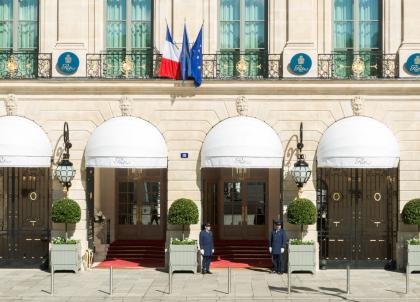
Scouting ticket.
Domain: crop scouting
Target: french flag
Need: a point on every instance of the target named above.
(170, 64)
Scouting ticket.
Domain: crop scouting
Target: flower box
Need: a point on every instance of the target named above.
(302, 257)
(66, 257)
(183, 257)
(413, 258)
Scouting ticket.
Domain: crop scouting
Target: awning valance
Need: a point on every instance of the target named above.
(242, 142)
(23, 143)
(358, 142)
(126, 142)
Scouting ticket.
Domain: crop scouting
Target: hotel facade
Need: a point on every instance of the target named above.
(348, 70)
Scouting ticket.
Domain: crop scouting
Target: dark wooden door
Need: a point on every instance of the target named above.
(355, 222)
(25, 206)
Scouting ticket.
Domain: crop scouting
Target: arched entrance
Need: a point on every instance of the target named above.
(357, 193)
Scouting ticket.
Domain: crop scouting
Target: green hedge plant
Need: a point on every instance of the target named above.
(65, 210)
(411, 213)
(301, 211)
(183, 212)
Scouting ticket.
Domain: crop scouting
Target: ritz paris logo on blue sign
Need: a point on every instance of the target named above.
(68, 63)
(413, 64)
(300, 64)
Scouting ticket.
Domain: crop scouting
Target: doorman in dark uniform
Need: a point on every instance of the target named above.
(277, 246)
(206, 248)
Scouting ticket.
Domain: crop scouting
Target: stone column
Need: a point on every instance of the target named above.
(410, 33)
(301, 34)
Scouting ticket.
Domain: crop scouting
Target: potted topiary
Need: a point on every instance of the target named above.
(183, 253)
(65, 253)
(301, 211)
(411, 215)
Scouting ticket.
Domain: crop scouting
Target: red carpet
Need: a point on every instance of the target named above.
(135, 254)
(241, 254)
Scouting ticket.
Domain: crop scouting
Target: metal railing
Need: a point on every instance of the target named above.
(25, 65)
(357, 65)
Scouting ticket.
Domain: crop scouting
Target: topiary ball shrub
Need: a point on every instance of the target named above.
(65, 211)
(411, 213)
(301, 211)
(183, 212)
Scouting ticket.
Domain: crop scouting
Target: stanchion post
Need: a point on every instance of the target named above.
(170, 279)
(407, 280)
(229, 280)
(348, 279)
(52, 280)
(111, 280)
(289, 279)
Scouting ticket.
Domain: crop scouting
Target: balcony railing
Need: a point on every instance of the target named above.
(25, 65)
(357, 65)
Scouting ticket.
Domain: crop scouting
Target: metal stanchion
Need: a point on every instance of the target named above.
(348, 279)
(52, 280)
(289, 280)
(170, 279)
(111, 280)
(407, 280)
(229, 280)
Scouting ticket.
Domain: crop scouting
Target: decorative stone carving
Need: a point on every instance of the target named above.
(125, 106)
(357, 105)
(10, 103)
(242, 105)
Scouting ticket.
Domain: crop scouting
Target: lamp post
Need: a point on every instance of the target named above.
(65, 171)
(300, 171)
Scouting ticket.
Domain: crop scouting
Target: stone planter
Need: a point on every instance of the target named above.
(65, 257)
(183, 257)
(413, 258)
(302, 258)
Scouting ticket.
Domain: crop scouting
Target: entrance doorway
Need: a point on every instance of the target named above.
(236, 202)
(357, 216)
(141, 204)
(24, 215)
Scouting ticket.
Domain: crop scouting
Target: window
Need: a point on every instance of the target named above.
(129, 42)
(357, 32)
(242, 32)
(18, 37)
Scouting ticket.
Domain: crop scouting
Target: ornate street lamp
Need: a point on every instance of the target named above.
(300, 171)
(65, 171)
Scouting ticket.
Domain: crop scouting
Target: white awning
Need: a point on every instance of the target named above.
(358, 142)
(242, 142)
(126, 142)
(23, 143)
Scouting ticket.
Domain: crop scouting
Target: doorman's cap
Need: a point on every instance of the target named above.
(278, 222)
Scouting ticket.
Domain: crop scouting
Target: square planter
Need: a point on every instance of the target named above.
(413, 258)
(302, 258)
(183, 257)
(65, 257)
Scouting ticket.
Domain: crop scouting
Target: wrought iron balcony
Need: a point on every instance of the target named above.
(25, 65)
(357, 65)
(146, 65)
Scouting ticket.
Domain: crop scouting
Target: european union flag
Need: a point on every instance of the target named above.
(185, 56)
(197, 59)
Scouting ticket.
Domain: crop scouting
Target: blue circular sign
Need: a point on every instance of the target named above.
(68, 63)
(413, 64)
(300, 64)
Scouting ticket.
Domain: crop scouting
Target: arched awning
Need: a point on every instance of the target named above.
(242, 142)
(126, 142)
(358, 142)
(23, 143)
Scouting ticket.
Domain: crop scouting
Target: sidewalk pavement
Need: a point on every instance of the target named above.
(247, 285)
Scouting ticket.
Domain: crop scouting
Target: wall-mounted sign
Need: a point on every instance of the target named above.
(413, 64)
(67, 63)
(300, 64)
(184, 155)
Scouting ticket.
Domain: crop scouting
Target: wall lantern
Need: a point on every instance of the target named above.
(65, 171)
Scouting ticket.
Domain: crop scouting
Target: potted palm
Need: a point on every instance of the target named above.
(65, 252)
(183, 253)
(302, 212)
(411, 215)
